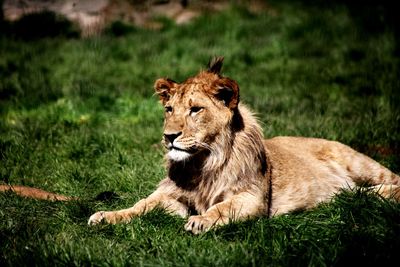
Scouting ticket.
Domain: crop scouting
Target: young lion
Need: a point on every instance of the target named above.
(220, 166)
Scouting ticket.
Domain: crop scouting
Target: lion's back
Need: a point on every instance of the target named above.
(304, 149)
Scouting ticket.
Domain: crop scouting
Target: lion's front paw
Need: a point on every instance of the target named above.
(96, 218)
(110, 217)
(199, 224)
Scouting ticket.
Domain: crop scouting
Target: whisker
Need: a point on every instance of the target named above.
(203, 145)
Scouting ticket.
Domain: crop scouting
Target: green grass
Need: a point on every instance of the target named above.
(78, 117)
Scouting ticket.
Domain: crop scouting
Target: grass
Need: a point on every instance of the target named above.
(78, 117)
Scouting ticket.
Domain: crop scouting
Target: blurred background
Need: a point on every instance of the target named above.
(93, 16)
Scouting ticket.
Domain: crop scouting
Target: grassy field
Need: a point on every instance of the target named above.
(78, 117)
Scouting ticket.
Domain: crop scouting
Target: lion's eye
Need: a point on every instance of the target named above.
(168, 109)
(195, 110)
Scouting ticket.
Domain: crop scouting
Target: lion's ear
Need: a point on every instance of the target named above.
(215, 65)
(164, 88)
(227, 91)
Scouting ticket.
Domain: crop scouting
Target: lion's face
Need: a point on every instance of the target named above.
(196, 112)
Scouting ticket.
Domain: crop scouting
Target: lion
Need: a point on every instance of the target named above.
(220, 166)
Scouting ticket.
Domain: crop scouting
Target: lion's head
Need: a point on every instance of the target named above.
(197, 111)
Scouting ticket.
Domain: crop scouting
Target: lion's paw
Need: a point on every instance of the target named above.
(199, 224)
(96, 218)
(110, 217)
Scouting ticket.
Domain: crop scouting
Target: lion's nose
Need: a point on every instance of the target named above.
(171, 137)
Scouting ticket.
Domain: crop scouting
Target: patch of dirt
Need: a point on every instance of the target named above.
(92, 16)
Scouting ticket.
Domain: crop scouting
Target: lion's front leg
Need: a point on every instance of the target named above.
(124, 215)
(157, 199)
(239, 207)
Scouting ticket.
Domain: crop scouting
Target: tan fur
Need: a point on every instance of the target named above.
(219, 165)
(30, 192)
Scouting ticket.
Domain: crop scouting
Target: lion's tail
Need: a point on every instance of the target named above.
(36, 193)
(31, 192)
